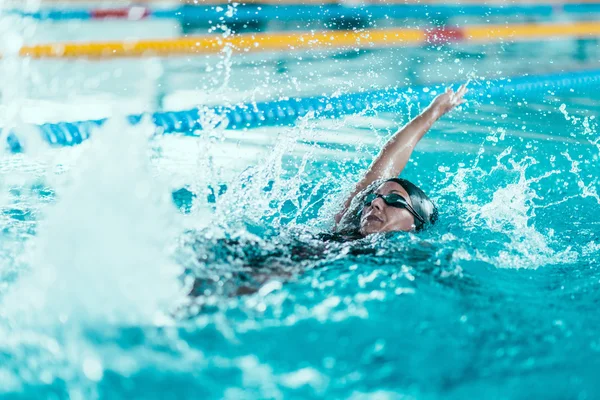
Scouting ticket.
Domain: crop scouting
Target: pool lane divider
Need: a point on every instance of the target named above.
(292, 41)
(287, 111)
(274, 10)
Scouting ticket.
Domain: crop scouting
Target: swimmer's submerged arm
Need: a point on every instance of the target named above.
(396, 152)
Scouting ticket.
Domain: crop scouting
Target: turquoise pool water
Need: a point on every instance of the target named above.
(100, 242)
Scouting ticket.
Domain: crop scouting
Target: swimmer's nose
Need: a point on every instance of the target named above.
(377, 204)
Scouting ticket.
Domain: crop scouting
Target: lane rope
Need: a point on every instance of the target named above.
(292, 41)
(209, 13)
(287, 111)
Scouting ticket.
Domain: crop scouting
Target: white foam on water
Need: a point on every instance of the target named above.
(102, 250)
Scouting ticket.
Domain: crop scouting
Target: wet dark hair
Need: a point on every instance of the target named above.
(422, 204)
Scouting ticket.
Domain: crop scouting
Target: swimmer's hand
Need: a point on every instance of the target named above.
(446, 101)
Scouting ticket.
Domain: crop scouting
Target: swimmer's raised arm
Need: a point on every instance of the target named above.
(395, 154)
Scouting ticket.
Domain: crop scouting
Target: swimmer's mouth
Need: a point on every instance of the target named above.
(372, 217)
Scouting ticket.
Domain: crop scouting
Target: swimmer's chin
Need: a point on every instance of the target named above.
(369, 228)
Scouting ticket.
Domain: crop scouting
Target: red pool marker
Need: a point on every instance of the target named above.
(131, 13)
(445, 35)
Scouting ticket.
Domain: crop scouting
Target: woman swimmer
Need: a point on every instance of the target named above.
(381, 202)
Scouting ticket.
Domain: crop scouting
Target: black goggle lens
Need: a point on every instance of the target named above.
(393, 200)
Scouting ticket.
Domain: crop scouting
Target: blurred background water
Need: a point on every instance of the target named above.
(100, 242)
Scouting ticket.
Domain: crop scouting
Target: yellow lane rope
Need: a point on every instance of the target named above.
(531, 31)
(214, 44)
(290, 41)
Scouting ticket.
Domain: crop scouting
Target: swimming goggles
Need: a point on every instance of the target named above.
(394, 200)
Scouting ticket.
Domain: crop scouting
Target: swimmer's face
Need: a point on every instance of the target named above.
(379, 217)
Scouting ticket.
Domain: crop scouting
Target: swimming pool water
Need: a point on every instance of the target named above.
(498, 300)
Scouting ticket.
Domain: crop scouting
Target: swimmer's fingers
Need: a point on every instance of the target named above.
(449, 99)
(459, 101)
(455, 99)
(460, 93)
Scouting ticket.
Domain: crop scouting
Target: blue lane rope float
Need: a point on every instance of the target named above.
(195, 14)
(265, 12)
(582, 8)
(287, 111)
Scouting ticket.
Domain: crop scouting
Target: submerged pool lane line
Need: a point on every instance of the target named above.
(327, 40)
(287, 111)
(272, 10)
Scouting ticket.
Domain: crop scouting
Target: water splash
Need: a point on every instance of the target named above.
(587, 127)
(102, 250)
(508, 210)
(272, 192)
